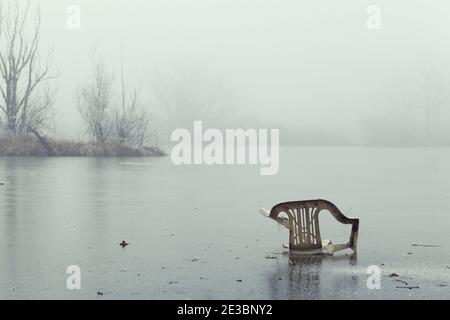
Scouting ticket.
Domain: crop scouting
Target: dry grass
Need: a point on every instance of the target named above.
(29, 146)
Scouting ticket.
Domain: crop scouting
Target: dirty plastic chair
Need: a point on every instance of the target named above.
(301, 218)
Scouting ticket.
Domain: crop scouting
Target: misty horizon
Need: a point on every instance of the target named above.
(314, 71)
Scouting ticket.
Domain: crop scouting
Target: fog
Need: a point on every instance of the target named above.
(312, 69)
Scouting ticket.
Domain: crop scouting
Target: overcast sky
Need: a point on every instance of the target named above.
(311, 67)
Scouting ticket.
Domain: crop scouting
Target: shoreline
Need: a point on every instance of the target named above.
(33, 147)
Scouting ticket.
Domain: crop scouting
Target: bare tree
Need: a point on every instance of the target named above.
(26, 98)
(143, 131)
(129, 123)
(132, 121)
(94, 101)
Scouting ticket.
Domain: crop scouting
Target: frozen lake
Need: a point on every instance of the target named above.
(195, 231)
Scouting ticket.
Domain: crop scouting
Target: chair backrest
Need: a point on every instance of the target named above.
(303, 222)
(304, 231)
